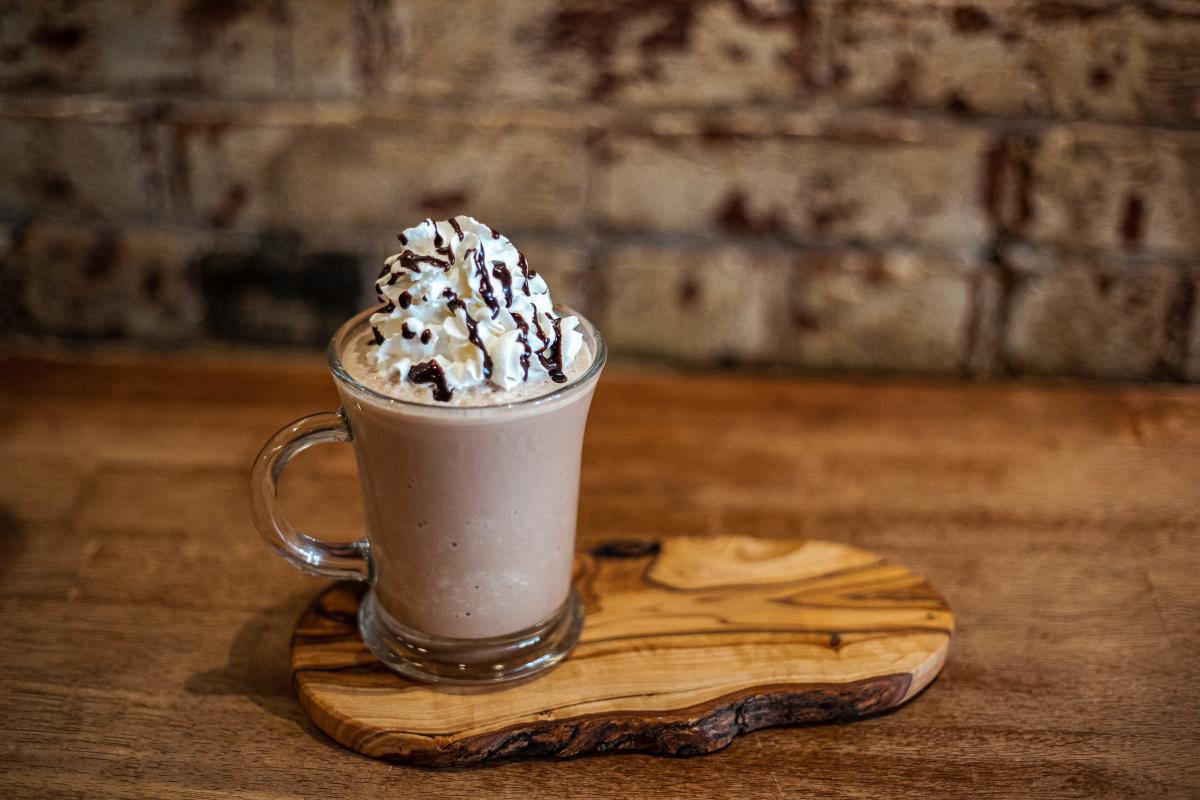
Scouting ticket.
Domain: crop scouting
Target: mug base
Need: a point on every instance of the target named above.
(471, 662)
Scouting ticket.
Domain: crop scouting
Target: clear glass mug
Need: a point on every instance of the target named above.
(470, 517)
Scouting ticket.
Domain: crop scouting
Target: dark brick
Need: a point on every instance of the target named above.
(277, 294)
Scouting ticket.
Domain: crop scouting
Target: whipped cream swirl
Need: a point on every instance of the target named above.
(463, 310)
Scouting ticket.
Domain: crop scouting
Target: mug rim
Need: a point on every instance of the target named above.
(342, 375)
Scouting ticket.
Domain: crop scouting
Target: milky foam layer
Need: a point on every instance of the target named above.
(462, 310)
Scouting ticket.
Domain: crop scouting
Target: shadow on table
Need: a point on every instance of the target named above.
(258, 667)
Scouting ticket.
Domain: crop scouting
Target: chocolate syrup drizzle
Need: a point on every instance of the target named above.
(406, 332)
(457, 229)
(523, 338)
(553, 362)
(500, 271)
(431, 372)
(440, 246)
(403, 239)
(454, 303)
(426, 335)
(524, 265)
(405, 299)
(537, 323)
(485, 284)
(412, 261)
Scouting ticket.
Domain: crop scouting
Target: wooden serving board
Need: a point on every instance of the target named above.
(687, 643)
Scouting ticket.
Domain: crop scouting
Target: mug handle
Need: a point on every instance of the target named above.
(326, 559)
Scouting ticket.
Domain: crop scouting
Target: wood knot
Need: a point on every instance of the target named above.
(626, 548)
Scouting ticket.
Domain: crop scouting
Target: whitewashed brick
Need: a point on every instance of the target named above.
(1075, 315)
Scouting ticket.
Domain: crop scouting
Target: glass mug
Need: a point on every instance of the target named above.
(470, 517)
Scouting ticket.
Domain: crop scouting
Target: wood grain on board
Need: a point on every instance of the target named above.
(687, 643)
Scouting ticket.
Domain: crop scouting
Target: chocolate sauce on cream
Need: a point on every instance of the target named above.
(524, 265)
(431, 372)
(457, 229)
(537, 323)
(485, 284)
(454, 304)
(554, 362)
(523, 338)
(412, 261)
(500, 271)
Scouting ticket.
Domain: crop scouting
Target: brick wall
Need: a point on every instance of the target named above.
(936, 187)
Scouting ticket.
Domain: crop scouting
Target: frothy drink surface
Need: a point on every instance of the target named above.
(468, 437)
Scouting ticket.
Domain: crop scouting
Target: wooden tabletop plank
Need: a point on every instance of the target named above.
(149, 625)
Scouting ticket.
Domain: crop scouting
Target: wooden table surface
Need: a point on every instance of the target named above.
(148, 625)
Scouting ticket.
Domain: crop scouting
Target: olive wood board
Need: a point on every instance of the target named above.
(687, 643)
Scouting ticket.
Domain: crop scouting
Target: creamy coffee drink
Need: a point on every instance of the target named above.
(468, 437)
(464, 394)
